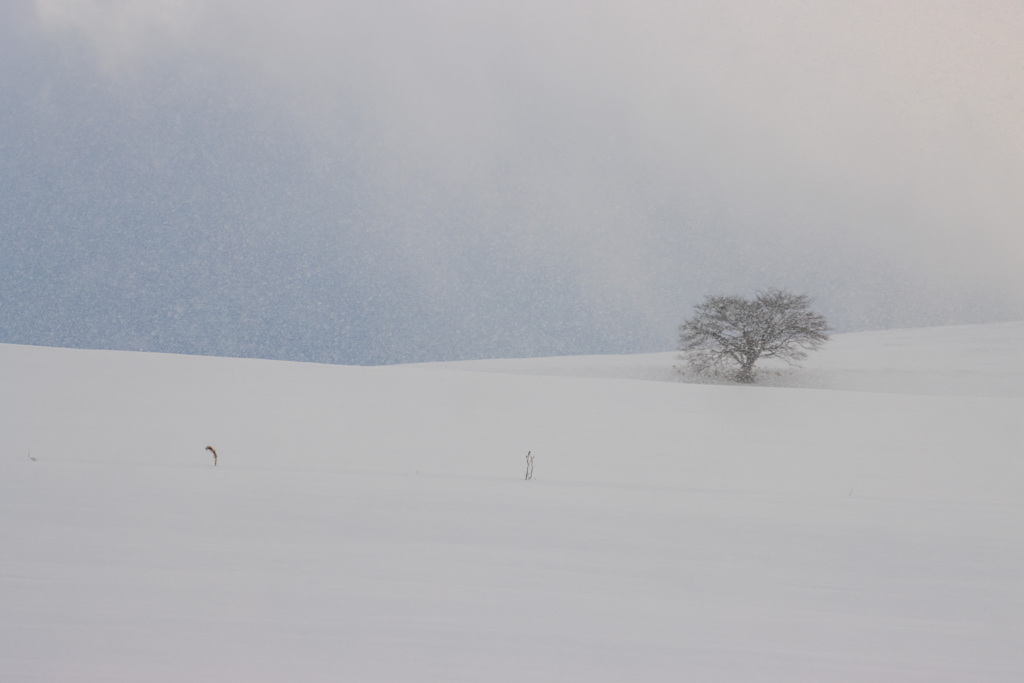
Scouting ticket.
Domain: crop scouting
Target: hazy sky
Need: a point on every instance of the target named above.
(378, 181)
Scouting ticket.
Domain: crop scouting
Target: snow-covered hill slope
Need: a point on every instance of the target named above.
(371, 524)
(966, 360)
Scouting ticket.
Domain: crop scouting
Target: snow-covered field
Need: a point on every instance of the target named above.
(860, 520)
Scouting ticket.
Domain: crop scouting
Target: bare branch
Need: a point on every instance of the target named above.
(728, 334)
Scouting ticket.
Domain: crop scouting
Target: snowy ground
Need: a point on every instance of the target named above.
(861, 520)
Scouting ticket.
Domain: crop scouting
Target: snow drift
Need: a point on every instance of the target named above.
(860, 520)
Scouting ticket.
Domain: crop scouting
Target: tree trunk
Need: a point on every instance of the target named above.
(746, 374)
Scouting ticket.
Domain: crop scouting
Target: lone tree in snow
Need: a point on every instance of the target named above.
(728, 334)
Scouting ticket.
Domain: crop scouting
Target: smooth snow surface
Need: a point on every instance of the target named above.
(863, 523)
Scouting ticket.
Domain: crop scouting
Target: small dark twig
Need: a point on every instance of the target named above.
(210, 448)
(529, 465)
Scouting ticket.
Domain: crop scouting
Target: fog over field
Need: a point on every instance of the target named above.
(377, 253)
(382, 182)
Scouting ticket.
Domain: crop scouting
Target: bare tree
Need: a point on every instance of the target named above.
(728, 334)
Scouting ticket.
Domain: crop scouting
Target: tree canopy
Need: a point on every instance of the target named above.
(727, 335)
